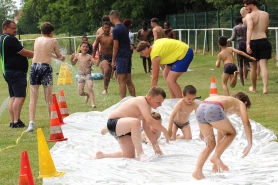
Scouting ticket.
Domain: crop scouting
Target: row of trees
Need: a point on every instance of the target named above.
(79, 16)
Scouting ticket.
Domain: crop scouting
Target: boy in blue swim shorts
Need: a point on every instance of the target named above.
(175, 54)
(210, 114)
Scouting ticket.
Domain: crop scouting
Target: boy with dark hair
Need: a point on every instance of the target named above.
(230, 69)
(210, 114)
(179, 118)
(85, 40)
(124, 124)
(41, 70)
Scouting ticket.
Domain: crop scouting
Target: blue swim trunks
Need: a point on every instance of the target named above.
(41, 74)
(210, 111)
(123, 65)
(182, 65)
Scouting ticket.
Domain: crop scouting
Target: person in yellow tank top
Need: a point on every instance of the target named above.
(175, 54)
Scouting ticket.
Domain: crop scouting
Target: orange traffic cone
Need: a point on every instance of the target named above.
(54, 100)
(213, 88)
(56, 133)
(63, 104)
(23, 180)
(26, 177)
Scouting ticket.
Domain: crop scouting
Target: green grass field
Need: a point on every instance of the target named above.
(263, 109)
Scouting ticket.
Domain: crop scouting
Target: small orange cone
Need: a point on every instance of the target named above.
(56, 133)
(63, 104)
(25, 170)
(54, 100)
(23, 180)
(213, 88)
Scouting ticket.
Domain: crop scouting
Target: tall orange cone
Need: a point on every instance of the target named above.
(54, 100)
(213, 88)
(47, 167)
(25, 170)
(23, 180)
(56, 133)
(63, 104)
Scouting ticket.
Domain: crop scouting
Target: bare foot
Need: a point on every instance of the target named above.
(219, 163)
(215, 168)
(99, 155)
(94, 106)
(258, 78)
(104, 131)
(265, 91)
(198, 175)
(86, 99)
(104, 92)
(180, 136)
(251, 89)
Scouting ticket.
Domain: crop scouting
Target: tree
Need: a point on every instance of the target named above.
(7, 9)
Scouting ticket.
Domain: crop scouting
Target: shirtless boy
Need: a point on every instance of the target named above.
(256, 43)
(41, 70)
(124, 124)
(230, 69)
(105, 41)
(211, 113)
(169, 32)
(155, 132)
(85, 62)
(145, 34)
(179, 118)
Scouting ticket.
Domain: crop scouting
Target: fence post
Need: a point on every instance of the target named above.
(70, 50)
(194, 20)
(206, 24)
(231, 18)
(218, 22)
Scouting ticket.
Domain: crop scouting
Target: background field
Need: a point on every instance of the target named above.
(263, 109)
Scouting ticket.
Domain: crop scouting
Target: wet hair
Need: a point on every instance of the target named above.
(238, 20)
(145, 23)
(243, 97)
(243, 11)
(168, 24)
(7, 23)
(155, 20)
(142, 45)
(156, 91)
(222, 40)
(115, 14)
(189, 89)
(247, 2)
(156, 115)
(105, 18)
(127, 22)
(106, 23)
(47, 28)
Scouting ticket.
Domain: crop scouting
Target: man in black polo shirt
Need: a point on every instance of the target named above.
(14, 66)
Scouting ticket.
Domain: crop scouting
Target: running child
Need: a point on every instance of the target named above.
(210, 114)
(230, 69)
(179, 118)
(41, 70)
(124, 124)
(85, 62)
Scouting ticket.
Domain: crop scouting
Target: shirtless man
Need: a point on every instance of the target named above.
(105, 41)
(41, 70)
(243, 13)
(121, 55)
(257, 44)
(105, 18)
(169, 32)
(124, 124)
(145, 34)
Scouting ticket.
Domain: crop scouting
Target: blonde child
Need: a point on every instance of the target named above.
(179, 118)
(85, 62)
(155, 132)
(230, 69)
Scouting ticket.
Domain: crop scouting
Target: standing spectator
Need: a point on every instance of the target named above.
(256, 43)
(14, 66)
(145, 34)
(169, 32)
(121, 55)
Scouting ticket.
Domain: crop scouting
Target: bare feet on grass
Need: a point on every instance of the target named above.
(265, 91)
(219, 163)
(104, 92)
(198, 175)
(86, 99)
(94, 106)
(251, 89)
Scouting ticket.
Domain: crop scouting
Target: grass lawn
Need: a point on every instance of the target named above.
(263, 109)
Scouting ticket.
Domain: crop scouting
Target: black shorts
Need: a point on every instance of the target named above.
(111, 126)
(241, 45)
(41, 74)
(105, 57)
(230, 68)
(261, 49)
(17, 83)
